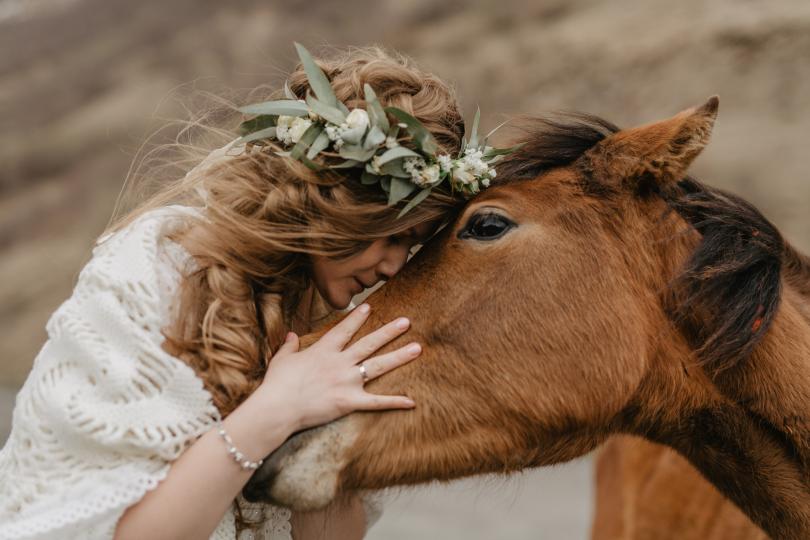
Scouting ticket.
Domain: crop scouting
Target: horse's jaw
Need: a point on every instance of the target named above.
(304, 472)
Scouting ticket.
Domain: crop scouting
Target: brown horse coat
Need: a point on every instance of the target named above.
(594, 291)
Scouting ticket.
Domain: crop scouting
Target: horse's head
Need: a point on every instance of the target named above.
(540, 309)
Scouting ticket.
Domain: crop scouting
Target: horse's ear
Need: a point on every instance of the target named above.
(660, 152)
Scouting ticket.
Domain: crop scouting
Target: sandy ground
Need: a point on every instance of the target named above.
(6, 406)
(551, 503)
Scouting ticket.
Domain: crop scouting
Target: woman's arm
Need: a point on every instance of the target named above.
(300, 390)
(203, 482)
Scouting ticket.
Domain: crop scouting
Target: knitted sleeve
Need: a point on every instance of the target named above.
(105, 409)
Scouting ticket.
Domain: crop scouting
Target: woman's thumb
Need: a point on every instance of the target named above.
(290, 344)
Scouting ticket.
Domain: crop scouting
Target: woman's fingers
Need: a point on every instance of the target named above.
(376, 402)
(368, 345)
(342, 332)
(290, 344)
(384, 363)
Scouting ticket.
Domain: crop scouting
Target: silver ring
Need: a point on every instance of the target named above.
(363, 372)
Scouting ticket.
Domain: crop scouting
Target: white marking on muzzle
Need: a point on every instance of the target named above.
(307, 480)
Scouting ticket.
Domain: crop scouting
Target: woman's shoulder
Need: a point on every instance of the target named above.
(138, 248)
(155, 220)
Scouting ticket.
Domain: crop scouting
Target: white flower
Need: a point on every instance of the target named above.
(357, 118)
(462, 175)
(283, 124)
(428, 176)
(298, 127)
(445, 162)
(332, 132)
(492, 173)
(375, 165)
(485, 182)
(413, 166)
(473, 161)
(391, 142)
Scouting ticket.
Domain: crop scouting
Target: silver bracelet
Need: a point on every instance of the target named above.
(238, 456)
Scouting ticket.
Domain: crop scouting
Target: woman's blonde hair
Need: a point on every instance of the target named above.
(267, 215)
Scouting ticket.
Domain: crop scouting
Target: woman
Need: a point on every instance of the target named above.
(175, 366)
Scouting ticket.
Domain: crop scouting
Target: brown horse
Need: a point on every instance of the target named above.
(645, 491)
(595, 290)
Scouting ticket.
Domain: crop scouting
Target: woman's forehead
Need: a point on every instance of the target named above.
(423, 231)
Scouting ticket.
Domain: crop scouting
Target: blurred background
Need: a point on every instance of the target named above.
(84, 82)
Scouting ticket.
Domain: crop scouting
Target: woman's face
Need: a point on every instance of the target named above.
(339, 280)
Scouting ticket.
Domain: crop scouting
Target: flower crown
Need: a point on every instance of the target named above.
(367, 139)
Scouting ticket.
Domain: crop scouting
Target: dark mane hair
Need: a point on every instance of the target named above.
(726, 296)
(552, 141)
(729, 291)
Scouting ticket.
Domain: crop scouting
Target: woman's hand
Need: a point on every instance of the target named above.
(325, 381)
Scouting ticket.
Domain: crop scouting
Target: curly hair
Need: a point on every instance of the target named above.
(266, 215)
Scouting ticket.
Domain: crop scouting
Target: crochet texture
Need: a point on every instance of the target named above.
(105, 409)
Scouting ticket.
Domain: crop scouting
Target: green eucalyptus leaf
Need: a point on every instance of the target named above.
(343, 108)
(266, 133)
(316, 77)
(287, 107)
(374, 138)
(419, 197)
(368, 178)
(320, 143)
(385, 183)
(305, 141)
(399, 190)
(395, 168)
(421, 136)
(263, 121)
(501, 151)
(355, 152)
(348, 164)
(288, 93)
(496, 128)
(396, 153)
(353, 136)
(311, 164)
(330, 114)
(474, 132)
(375, 111)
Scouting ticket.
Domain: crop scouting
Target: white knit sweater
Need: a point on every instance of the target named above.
(105, 409)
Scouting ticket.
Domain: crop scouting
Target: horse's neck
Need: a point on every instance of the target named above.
(797, 271)
(774, 384)
(748, 429)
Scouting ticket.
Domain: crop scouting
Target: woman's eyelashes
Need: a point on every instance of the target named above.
(397, 241)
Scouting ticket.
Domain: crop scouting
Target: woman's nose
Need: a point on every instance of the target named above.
(393, 263)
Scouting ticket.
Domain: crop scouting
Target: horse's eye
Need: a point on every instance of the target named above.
(486, 227)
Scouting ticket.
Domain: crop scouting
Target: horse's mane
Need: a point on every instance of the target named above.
(729, 291)
(552, 141)
(727, 294)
